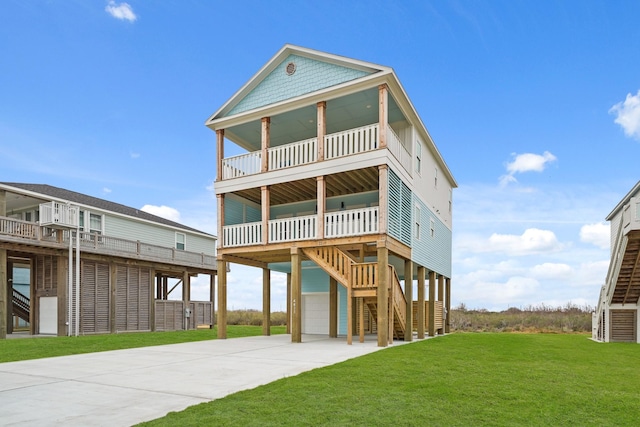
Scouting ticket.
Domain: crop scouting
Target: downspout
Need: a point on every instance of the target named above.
(78, 275)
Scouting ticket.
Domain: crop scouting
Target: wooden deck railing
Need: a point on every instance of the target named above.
(32, 233)
(241, 165)
(352, 222)
(249, 233)
(399, 299)
(352, 141)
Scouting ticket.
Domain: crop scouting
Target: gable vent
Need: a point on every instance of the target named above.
(291, 68)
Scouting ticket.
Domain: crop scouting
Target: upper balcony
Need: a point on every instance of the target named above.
(340, 144)
(31, 233)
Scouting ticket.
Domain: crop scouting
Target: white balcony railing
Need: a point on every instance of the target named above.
(295, 154)
(352, 141)
(352, 222)
(57, 214)
(242, 234)
(292, 229)
(398, 150)
(244, 164)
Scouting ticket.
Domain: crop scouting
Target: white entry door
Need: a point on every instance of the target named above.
(315, 313)
(48, 315)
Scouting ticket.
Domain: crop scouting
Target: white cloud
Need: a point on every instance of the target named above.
(106, 190)
(532, 241)
(526, 162)
(122, 11)
(134, 155)
(549, 270)
(163, 212)
(597, 234)
(628, 115)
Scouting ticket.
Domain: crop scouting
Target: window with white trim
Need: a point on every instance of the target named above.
(181, 241)
(435, 178)
(417, 221)
(94, 224)
(432, 227)
(418, 156)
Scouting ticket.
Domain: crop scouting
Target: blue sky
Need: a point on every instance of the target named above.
(535, 106)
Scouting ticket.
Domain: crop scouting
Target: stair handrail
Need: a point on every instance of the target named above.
(399, 299)
(21, 300)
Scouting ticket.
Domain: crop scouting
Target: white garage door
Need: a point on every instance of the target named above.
(48, 315)
(315, 314)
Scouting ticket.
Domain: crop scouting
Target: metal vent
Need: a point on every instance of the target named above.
(291, 68)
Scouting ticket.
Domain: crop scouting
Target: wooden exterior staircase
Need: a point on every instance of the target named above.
(360, 280)
(21, 305)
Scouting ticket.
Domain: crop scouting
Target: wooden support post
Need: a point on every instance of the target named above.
(383, 296)
(289, 313)
(265, 205)
(158, 277)
(266, 302)
(383, 114)
(361, 318)
(421, 301)
(333, 307)
(165, 287)
(383, 197)
(447, 310)
(186, 284)
(408, 294)
(266, 140)
(322, 128)
(220, 212)
(321, 198)
(219, 153)
(222, 299)
(62, 285)
(440, 331)
(9, 296)
(432, 303)
(4, 290)
(350, 314)
(113, 272)
(296, 295)
(391, 303)
(212, 297)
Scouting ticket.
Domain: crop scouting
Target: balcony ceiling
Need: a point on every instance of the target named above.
(350, 182)
(347, 112)
(19, 202)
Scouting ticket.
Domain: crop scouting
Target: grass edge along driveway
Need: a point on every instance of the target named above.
(457, 380)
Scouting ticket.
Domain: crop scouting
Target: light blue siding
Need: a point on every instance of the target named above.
(310, 76)
(432, 252)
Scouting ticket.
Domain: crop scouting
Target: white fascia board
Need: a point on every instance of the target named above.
(311, 170)
(405, 104)
(624, 201)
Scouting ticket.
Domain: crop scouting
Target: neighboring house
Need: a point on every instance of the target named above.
(128, 259)
(326, 172)
(616, 315)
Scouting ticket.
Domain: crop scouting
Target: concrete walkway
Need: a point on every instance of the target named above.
(124, 387)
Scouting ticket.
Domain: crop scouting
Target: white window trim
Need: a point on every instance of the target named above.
(184, 241)
(419, 157)
(417, 222)
(432, 227)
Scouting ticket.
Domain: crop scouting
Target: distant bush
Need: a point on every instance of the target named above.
(254, 318)
(540, 318)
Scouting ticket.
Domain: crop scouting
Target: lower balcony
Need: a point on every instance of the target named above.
(347, 223)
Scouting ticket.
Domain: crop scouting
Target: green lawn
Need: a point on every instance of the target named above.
(36, 348)
(456, 380)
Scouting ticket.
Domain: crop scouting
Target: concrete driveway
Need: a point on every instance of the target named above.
(125, 387)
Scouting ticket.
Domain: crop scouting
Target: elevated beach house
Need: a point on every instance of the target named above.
(326, 172)
(616, 315)
(72, 264)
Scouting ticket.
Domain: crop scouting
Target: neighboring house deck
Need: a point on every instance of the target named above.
(127, 260)
(334, 180)
(616, 316)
